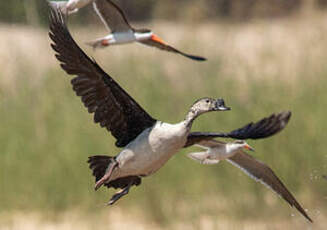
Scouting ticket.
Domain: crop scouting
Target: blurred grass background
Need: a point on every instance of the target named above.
(259, 66)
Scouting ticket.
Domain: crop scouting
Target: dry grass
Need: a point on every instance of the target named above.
(120, 219)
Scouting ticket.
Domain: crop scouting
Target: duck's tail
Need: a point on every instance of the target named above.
(99, 165)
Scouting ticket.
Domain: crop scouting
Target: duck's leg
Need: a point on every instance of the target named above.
(120, 194)
(106, 176)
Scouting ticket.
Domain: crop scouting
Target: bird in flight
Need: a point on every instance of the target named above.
(234, 153)
(121, 32)
(147, 143)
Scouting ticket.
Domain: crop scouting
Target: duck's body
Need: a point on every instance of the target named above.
(151, 150)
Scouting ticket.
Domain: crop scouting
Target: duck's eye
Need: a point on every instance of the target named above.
(207, 101)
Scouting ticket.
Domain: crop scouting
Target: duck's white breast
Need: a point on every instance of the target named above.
(151, 149)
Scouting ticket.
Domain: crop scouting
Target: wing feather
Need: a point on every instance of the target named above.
(266, 127)
(111, 16)
(113, 108)
(262, 173)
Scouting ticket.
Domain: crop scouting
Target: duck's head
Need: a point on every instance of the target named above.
(239, 144)
(206, 104)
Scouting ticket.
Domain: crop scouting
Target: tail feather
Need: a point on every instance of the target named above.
(99, 164)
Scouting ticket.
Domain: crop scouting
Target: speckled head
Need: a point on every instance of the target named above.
(207, 104)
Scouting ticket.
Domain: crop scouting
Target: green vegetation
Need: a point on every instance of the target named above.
(46, 135)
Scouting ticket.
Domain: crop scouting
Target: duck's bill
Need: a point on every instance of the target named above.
(220, 105)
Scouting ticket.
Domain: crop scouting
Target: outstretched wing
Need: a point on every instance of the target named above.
(155, 41)
(113, 108)
(111, 16)
(266, 127)
(262, 173)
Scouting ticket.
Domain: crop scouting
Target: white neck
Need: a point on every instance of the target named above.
(190, 117)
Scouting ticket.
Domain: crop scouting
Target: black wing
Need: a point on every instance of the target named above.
(266, 127)
(111, 16)
(113, 108)
(262, 173)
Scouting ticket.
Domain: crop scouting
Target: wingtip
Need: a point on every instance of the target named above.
(311, 221)
(196, 58)
(201, 59)
(289, 114)
(284, 118)
(306, 216)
